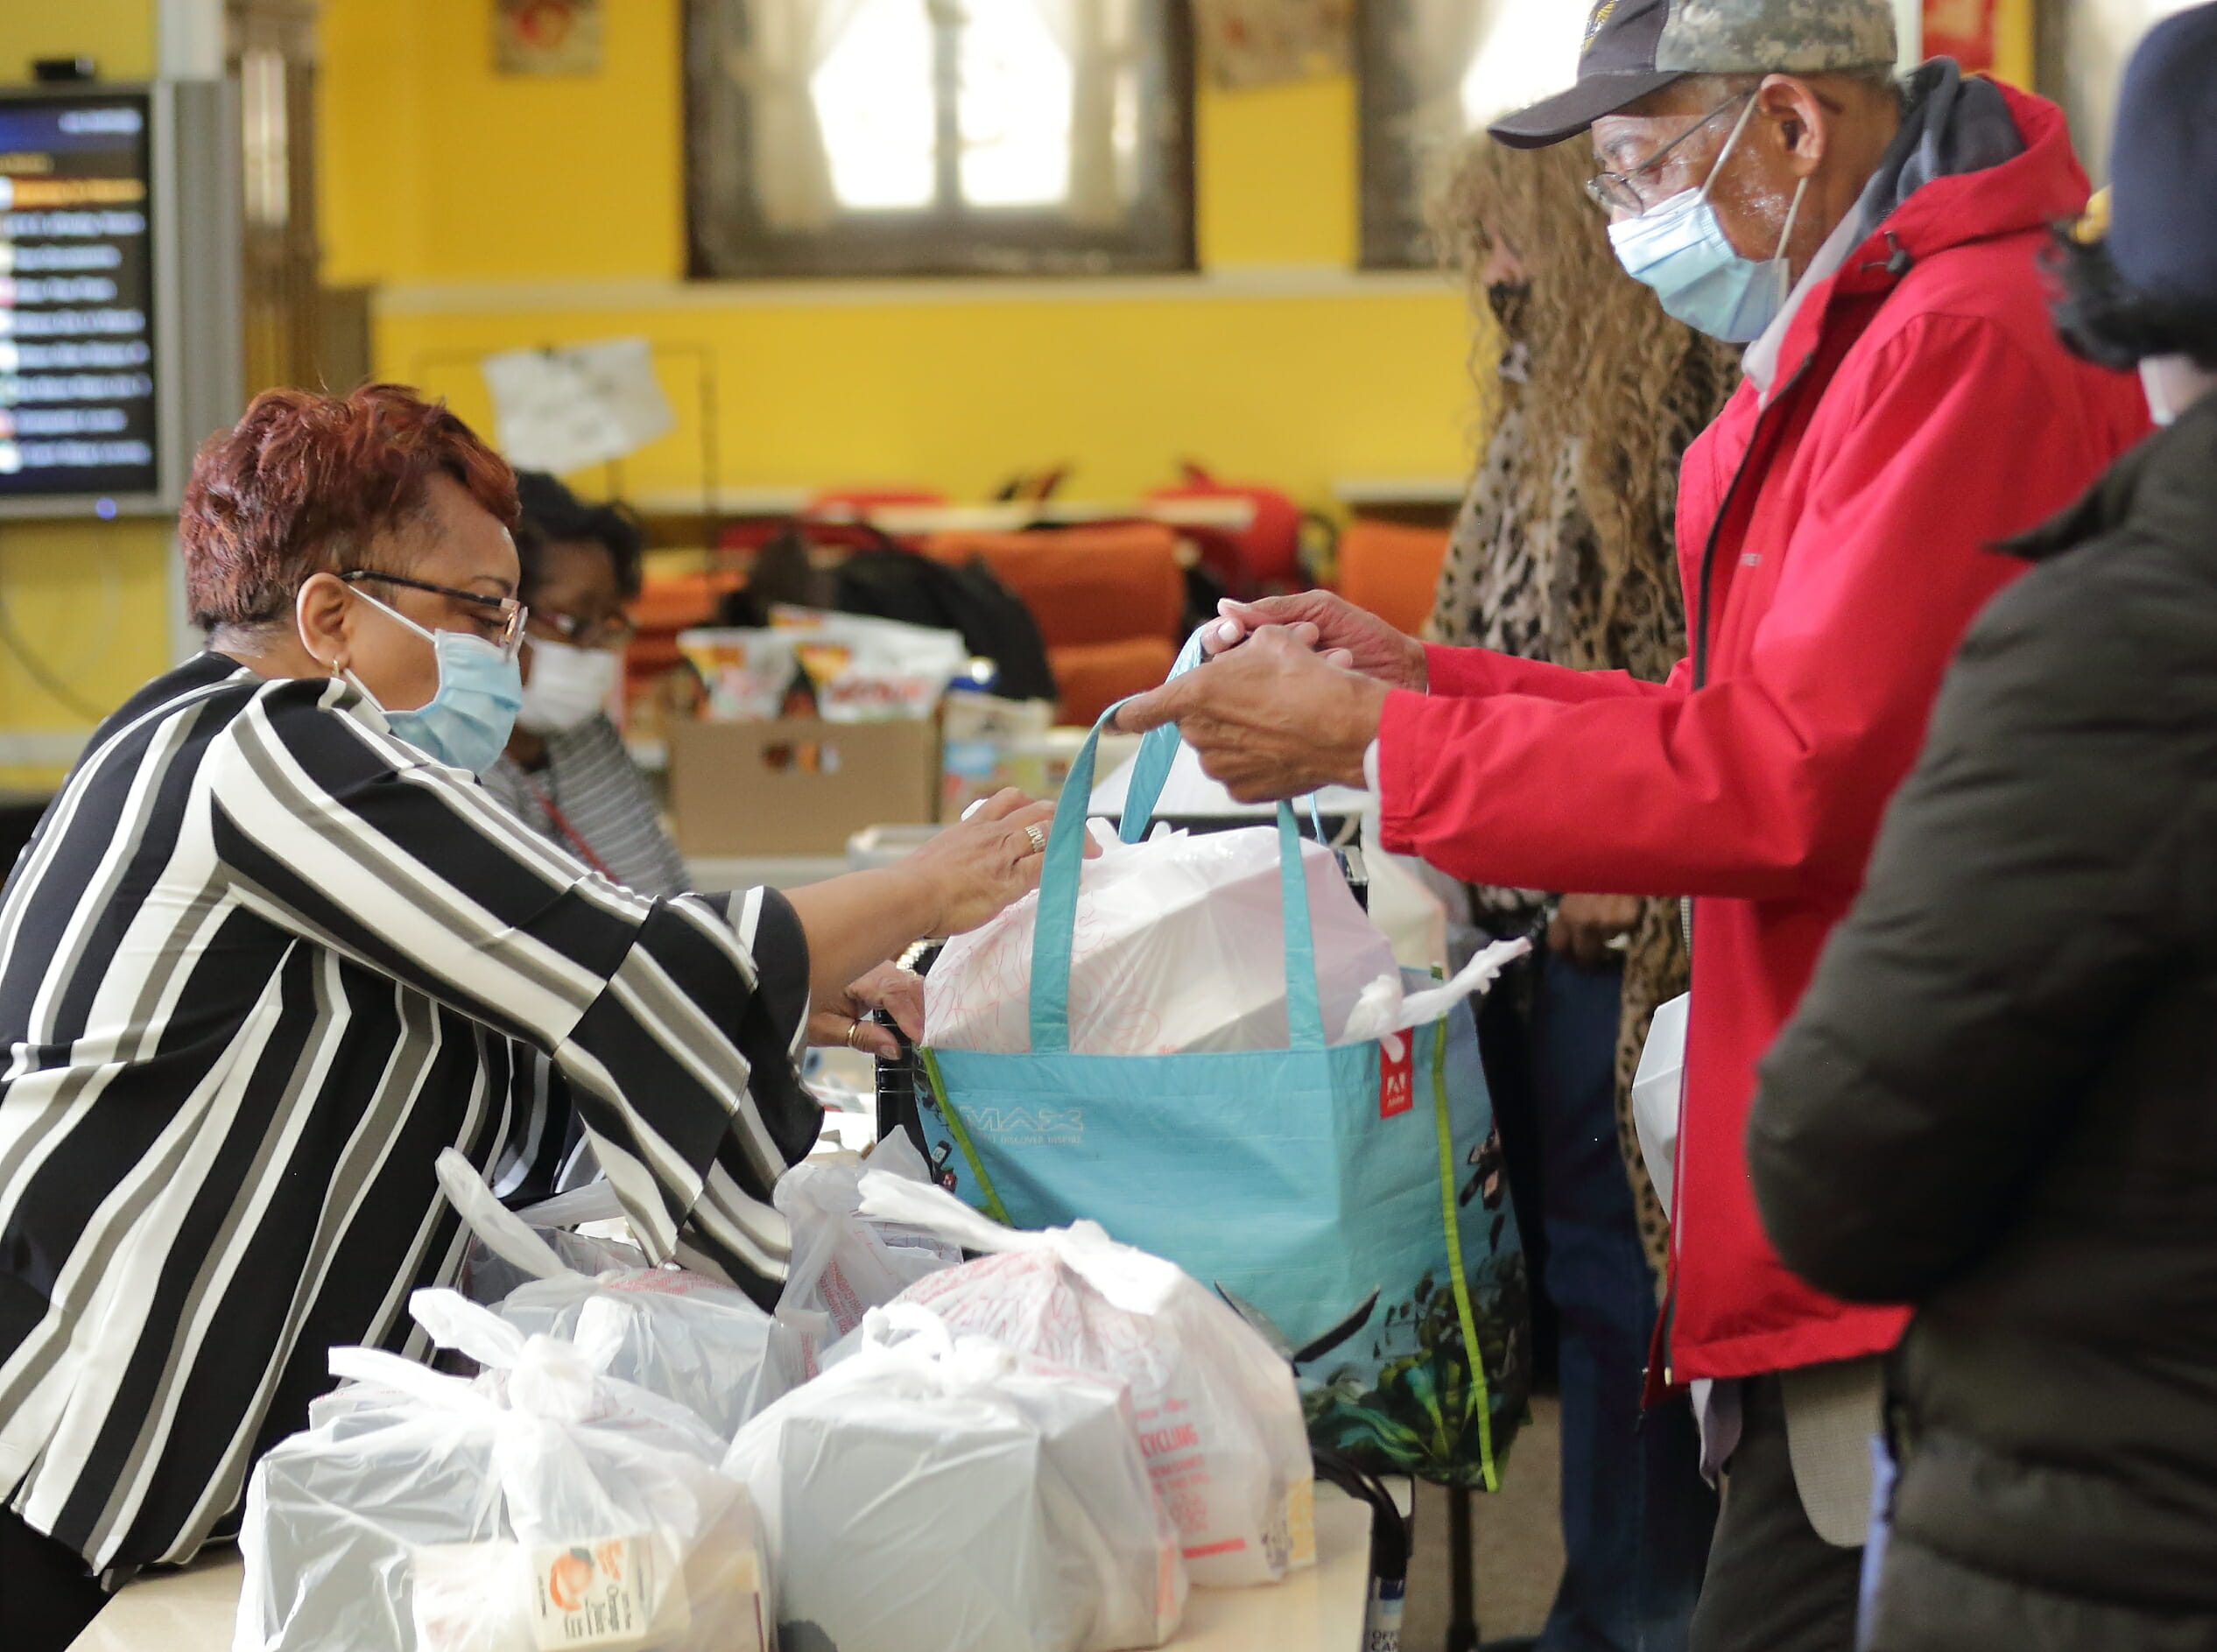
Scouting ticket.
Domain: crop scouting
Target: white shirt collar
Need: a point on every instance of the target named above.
(1761, 359)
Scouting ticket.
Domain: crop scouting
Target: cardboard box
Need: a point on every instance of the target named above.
(797, 787)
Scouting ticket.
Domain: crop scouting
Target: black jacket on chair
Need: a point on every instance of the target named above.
(1998, 1100)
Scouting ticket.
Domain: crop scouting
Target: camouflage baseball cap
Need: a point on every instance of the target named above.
(1633, 47)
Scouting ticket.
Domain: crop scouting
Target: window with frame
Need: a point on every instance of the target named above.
(1431, 72)
(874, 137)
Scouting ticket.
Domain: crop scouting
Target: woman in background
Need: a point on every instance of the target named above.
(565, 772)
(1565, 551)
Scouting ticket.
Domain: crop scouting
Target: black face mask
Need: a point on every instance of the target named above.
(1509, 301)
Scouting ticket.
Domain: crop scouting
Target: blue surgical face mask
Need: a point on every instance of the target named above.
(1678, 247)
(466, 723)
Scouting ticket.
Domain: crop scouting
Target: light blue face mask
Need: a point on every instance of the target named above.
(466, 723)
(1678, 247)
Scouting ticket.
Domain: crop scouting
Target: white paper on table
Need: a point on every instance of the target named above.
(563, 409)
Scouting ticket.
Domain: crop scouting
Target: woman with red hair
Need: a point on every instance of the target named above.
(273, 948)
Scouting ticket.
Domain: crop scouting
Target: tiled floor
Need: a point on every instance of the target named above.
(1519, 1543)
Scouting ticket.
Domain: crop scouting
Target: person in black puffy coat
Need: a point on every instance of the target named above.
(1998, 1100)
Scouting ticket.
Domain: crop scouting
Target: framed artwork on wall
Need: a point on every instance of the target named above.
(546, 37)
(1269, 42)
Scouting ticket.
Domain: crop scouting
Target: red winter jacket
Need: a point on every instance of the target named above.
(1833, 546)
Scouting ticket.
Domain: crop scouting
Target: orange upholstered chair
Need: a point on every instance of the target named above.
(1109, 601)
(1392, 570)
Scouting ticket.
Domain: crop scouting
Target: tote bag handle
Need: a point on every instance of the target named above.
(1052, 938)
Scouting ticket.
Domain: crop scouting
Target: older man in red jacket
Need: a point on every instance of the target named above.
(1907, 406)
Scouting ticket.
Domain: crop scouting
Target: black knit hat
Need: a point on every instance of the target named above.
(2162, 208)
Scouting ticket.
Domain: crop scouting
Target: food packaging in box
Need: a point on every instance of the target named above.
(797, 787)
(868, 670)
(744, 673)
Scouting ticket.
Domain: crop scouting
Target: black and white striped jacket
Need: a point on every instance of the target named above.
(262, 962)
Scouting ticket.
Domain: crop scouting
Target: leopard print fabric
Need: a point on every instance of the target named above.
(1523, 576)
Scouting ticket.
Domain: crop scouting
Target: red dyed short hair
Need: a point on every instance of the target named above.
(303, 481)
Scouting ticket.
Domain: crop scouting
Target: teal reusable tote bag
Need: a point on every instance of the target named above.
(1348, 1200)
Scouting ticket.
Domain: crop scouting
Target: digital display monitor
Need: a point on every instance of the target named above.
(80, 414)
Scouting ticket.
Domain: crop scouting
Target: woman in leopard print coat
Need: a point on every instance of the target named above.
(1565, 553)
(1564, 549)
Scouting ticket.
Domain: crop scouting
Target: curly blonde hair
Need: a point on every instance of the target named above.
(1607, 367)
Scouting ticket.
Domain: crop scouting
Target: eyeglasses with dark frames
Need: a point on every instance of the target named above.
(1614, 192)
(512, 614)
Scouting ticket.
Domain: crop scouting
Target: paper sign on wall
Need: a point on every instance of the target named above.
(561, 410)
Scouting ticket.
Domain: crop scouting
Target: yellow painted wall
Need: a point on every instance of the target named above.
(119, 33)
(457, 189)
(2013, 41)
(88, 598)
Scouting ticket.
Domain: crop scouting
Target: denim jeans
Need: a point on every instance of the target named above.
(1637, 1515)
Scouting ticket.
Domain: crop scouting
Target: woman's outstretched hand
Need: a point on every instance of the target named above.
(987, 860)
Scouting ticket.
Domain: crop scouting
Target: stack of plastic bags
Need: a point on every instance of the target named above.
(844, 1264)
(1219, 1418)
(544, 1505)
(678, 1334)
(936, 1493)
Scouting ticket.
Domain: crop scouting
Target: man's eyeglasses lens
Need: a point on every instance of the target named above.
(1615, 191)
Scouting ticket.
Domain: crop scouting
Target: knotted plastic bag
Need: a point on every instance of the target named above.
(1219, 1421)
(843, 1264)
(545, 1505)
(936, 1493)
(679, 1334)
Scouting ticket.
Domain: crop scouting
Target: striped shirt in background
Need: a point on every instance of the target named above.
(262, 962)
(600, 793)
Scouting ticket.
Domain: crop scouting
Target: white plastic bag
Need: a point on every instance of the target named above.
(1220, 1420)
(542, 1505)
(941, 1494)
(678, 1334)
(487, 1276)
(1179, 944)
(844, 1264)
(1657, 1085)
